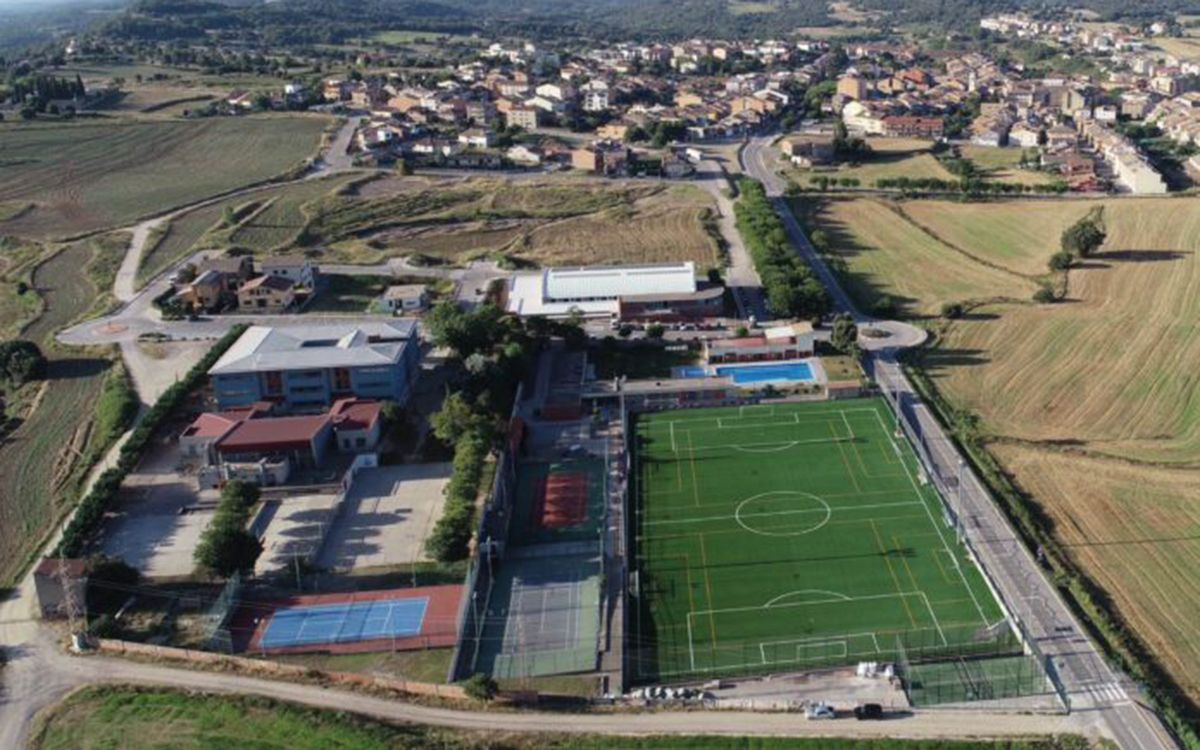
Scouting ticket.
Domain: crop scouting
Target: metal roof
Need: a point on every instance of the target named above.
(359, 344)
(618, 281)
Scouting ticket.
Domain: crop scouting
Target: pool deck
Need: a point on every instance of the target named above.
(696, 372)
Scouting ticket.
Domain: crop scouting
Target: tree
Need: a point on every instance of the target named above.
(1085, 236)
(655, 331)
(464, 332)
(480, 687)
(845, 334)
(1061, 260)
(226, 547)
(240, 495)
(20, 362)
(456, 418)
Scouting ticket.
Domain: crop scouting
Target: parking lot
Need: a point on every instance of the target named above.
(386, 517)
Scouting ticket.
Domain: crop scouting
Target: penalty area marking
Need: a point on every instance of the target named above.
(835, 594)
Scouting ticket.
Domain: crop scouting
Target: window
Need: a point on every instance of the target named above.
(341, 379)
(273, 383)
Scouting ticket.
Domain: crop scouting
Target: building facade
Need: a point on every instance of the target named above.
(306, 368)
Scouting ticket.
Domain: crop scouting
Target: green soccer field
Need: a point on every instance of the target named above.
(784, 537)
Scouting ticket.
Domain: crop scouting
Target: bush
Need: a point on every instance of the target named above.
(655, 331)
(884, 307)
(480, 687)
(1044, 296)
(952, 310)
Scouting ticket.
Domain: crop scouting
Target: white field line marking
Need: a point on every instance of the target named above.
(762, 649)
(982, 617)
(849, 429)
(808, 591)
(801, 416)
(932, 614)
(691, 644)
(779, 447)
(873, 506)
(673, 448)
(746, 665)
(760, 607)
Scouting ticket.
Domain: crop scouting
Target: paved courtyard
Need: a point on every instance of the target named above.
(387, 516)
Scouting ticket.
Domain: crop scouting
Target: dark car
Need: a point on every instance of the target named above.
(868, 711)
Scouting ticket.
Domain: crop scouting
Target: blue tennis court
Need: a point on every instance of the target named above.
(345, 623)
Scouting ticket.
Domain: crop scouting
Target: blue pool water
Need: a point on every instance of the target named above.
(783, 372)
(691, 372)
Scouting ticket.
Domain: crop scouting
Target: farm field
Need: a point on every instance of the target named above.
(1091, 405)
(549, 221)
(44, 460)
(793, 536)
(881, 248)
(126, 718)
(913, 158)
(87, 176)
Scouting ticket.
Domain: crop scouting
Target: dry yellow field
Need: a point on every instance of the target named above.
(886, 252)
(1093, 404)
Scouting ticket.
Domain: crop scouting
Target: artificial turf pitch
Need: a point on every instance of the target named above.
(784, 537)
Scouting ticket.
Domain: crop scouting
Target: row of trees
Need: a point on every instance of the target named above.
(1078, 241)
(971, 186)
(226, 546)
(495, 351)
(792, 288)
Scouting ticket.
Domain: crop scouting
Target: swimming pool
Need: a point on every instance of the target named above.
(778, 372)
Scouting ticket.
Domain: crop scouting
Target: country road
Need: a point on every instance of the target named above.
(1091, 683)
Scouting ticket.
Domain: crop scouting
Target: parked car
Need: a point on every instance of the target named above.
(868, 711)
(819, 710)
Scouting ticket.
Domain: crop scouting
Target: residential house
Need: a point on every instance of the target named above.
(405, 298)
(269, 294)
(809, 150)
(301, 271)
(526, 118)
(208, 291)
(912, 126)
(601, 157)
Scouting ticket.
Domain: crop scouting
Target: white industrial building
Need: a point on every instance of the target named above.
(665, 291)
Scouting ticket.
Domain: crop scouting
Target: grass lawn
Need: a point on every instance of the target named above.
(124, 718)
(841, 368)
(431, 665)
(85, 176)
(342, 293)
(890, 157)
(792, 536)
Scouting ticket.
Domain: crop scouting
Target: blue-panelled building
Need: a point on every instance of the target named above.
(308, 367)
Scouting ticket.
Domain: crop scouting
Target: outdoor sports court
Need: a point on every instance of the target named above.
(558, 501)
(399, 619)
(783, 537)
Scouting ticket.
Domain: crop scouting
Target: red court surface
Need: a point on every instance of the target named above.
(562, 500)
(438, 629)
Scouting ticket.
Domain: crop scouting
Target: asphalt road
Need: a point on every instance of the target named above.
(1092, 685)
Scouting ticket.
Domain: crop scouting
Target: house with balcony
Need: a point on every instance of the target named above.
(307, 368)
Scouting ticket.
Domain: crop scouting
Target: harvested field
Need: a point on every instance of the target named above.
(41, 470)
(1092, 404)
(279, 222)
(883, 252)
(543, 222)
(88, 176)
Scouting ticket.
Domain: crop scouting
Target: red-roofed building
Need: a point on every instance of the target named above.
(250, 444)
(357, 424)
(783, 342)
(302, 440)
(912, 126)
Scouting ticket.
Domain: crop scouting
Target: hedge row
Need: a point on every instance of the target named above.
(970, 186)
(104, 492)
(1089, 600)
(451, 535)
(792, 288)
